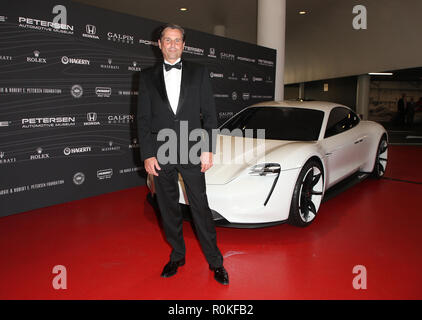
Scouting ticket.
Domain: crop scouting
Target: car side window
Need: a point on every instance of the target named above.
(340, 120)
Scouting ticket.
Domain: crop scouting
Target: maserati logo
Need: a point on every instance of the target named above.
(91, 29)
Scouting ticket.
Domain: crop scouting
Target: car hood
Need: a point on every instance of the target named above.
(236, 154)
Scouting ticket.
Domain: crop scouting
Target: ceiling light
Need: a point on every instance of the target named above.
(380, 74)
(302, 12)
(183, 9)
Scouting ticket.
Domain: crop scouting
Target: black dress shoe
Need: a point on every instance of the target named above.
(221, 275)
(170, 268)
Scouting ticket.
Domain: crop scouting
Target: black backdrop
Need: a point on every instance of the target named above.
(68, 94)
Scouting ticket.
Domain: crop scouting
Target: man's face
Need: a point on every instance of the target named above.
(171, 44)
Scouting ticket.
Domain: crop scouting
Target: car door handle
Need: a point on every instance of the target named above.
(359, 141)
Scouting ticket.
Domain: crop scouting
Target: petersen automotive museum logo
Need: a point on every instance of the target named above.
(59, 23)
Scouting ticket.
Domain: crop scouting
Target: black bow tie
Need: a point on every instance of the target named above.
(168, 67)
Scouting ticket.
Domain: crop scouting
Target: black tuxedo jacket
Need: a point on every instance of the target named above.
(196, 101)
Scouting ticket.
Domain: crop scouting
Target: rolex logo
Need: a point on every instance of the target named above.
(36, 53)
(110, 61)
(39, 150)
(1, 155)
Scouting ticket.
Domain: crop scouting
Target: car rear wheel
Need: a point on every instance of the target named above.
(381, 158)
(307, 194)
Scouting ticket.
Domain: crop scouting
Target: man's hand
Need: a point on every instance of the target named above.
(206, 161)
(150, 165)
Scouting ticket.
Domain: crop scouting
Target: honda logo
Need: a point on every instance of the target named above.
(91, 116)
(91, 29)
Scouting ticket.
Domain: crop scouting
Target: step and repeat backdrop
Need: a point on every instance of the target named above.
(68, 96)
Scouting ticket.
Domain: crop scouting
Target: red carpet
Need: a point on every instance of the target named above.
(113, 248)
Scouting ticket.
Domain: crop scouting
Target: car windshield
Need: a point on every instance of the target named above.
(280, 123)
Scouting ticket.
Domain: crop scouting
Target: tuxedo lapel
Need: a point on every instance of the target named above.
(183, 86)
(161, 86)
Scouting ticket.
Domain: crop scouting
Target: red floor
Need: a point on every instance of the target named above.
(113, 248)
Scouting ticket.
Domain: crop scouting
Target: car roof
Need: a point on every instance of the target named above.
(314, 105)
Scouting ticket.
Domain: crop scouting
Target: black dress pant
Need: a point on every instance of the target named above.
(167, 192)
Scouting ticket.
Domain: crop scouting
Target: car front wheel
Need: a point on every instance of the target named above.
(307, 194)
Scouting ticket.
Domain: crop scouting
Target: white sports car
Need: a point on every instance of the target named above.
(308, 148)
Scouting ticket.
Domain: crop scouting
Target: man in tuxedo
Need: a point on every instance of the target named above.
(173, 95)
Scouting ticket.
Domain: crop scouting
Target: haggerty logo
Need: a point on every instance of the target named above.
(68, 151)
(78, 178)
(91, 32)
(59, 23)
(216, 75)
(76, 91)
(67, 60)
(36, 58)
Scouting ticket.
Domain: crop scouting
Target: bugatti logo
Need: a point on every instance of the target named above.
(103, 92)
(77, 91)
(90, 29)
(104, 174)
(91, 116)
(78, 178)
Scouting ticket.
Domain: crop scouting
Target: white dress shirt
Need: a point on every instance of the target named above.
(173, 79)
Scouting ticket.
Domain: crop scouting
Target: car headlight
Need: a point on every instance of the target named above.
(267, 169)
(264, 169)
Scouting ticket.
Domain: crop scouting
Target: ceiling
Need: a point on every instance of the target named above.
(240, 20)
(238, 16)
